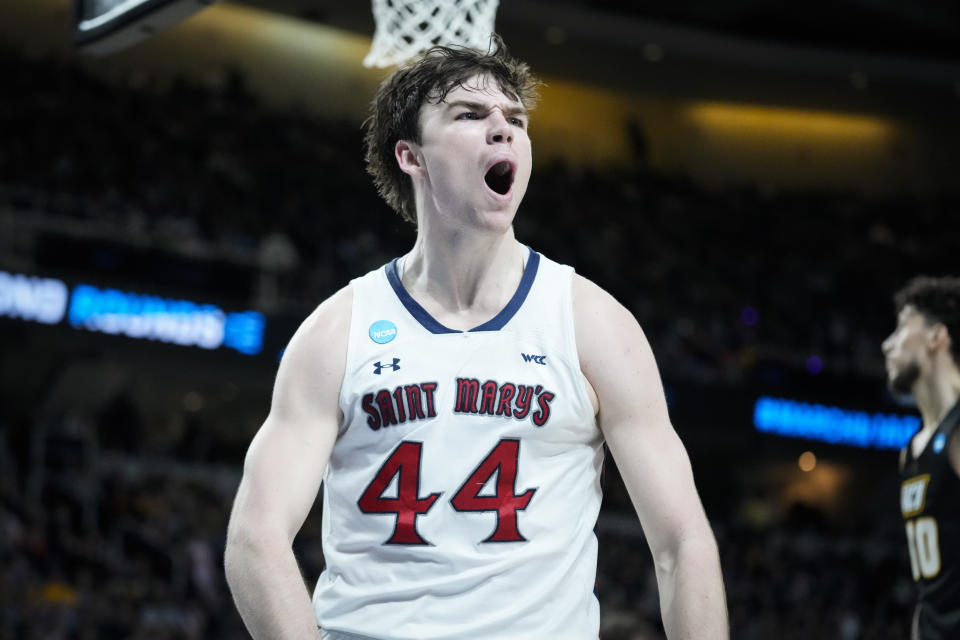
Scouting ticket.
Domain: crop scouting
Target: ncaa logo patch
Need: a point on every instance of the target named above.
(383, 331)
(939, 442)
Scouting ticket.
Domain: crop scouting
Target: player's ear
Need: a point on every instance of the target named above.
(938, 337)
(408, 157)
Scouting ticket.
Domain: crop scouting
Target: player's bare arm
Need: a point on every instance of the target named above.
(618, 364)
(282, 474)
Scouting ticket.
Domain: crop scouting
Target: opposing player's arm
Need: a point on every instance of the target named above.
(282, 474)
(618, 364)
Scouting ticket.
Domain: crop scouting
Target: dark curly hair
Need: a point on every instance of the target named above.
(938, 299)
(395, 110)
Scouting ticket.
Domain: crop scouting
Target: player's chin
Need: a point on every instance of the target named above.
(901, 380)
(497, 222)
(499, 204)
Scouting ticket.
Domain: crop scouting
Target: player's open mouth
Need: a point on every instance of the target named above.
(500, 177)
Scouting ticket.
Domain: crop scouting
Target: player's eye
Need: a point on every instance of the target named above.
(469, 115)
(518, 122)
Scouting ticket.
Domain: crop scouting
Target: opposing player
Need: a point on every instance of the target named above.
(922, 355)
(454, 405)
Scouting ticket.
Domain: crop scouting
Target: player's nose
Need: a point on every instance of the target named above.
(499, 129)
(887, 345)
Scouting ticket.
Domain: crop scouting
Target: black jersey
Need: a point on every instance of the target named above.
(930, 502)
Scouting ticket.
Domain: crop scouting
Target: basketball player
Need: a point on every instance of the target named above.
(922, 357)
(454, 405)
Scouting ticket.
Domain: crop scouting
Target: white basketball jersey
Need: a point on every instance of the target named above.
(463, 490)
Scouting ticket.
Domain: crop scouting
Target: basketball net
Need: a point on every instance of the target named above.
(406, 28)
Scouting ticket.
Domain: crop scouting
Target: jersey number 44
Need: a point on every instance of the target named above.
(404, 465)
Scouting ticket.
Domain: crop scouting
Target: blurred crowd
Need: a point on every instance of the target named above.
(102, 536)
(720, 280)
(103, 543)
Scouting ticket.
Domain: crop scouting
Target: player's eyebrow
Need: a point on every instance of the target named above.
(510, 110)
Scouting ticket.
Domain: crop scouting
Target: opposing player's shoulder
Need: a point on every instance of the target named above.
(954, 451)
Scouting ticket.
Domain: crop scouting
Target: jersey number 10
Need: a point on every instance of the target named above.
(404, 463)
(923, 542)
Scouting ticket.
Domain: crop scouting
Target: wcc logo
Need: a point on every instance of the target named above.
(913, 495)
(379, 367)
(532, 358)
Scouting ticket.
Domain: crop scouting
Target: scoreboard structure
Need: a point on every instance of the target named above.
(102, 27)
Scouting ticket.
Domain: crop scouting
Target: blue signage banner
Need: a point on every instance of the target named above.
(833, 424)
(131, 314)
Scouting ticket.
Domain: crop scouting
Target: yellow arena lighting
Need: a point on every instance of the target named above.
(807, 461)
(761, 121)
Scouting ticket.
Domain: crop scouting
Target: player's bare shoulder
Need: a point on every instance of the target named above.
(312, 366)
(326, 329)
(329, 323)
(602, 322)
(615, 356)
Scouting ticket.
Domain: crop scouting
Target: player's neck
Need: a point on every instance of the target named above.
(460, 271)
(936, 394)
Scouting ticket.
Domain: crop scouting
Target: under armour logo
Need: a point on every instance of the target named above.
(377, 367)
(537, 359)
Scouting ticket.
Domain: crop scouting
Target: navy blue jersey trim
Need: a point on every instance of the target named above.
(501, 319)
(419, 313)
(494, 324)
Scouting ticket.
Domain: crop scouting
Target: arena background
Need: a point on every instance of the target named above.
(752, 180)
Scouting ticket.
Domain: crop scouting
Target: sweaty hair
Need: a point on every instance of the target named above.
(395, 110)
(938, 299)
